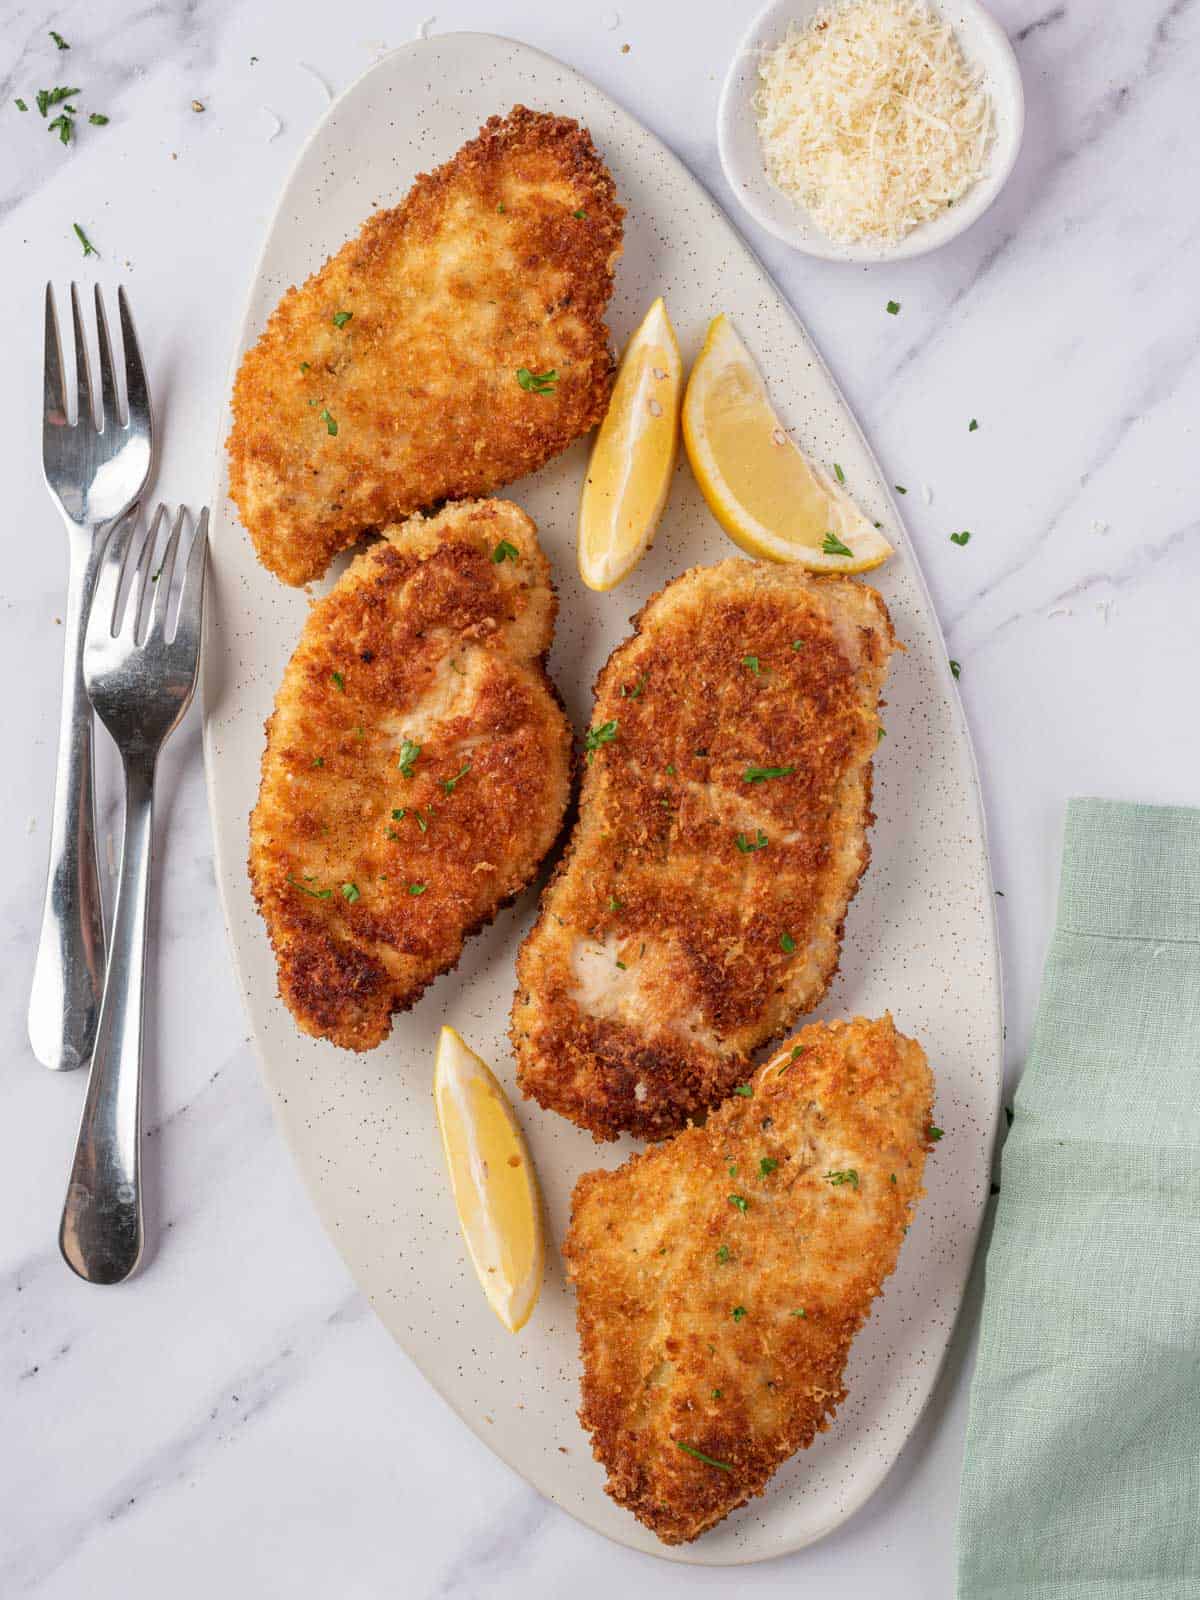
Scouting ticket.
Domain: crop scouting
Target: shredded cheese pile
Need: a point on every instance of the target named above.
(872, 118)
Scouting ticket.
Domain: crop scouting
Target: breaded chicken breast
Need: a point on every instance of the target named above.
(417, 766)
(721, 836)
(456, 344)
(722, 1277)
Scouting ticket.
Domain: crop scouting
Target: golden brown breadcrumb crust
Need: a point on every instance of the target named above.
(722, 1277)
(721, 836)
(388, 382)
(416, 770)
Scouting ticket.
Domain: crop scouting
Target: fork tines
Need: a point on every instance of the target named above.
(127, 577)
(56, 398)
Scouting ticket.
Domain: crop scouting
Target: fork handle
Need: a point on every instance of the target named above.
(68, 973)
(101, 1232)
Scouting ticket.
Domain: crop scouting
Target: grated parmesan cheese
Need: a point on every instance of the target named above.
(873, 119)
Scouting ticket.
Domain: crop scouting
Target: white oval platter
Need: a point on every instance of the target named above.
(920, 938)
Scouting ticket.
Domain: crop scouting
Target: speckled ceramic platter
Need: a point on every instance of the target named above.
(920, 939)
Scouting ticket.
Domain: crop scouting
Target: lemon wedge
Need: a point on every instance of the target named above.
(629, 474)
(767, 496)
(491, 1175)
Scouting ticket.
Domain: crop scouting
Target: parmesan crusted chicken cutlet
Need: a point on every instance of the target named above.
(722, 1277)
(722, 832)
(456, 344)
(417, 766)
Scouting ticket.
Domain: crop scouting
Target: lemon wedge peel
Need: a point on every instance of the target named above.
(629, 473)
(492, 1179)
(770, 499)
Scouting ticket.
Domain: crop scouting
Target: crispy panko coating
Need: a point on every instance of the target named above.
(721, 836)
(722, 1277)
(417, 767)
(389, 381)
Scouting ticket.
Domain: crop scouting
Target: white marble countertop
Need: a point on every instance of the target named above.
(234, 1420)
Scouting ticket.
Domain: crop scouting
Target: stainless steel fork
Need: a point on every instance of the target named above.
(140, 679)
(95, 472)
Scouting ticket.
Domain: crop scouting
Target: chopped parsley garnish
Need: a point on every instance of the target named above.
(752, 663)
(797, 1050)
(537, 382)
(330, 422)
(63, 124)
(304, 366)
(740, 1201)
(893, 307)
(766, 1166)
(723, 1253)
(339, 683)
(500, 208)
(745, 845)
(899, 488)
(786, 943)
(738, 1313)
(98, 120)
(800, 1313)
(955, 668)
(319, 761)
(744, 1089)
(761, 774)
(632, 694)
(341, 318)
(614, 904)
(622, 966)
(51, 97)
(972, 426)
(797, 644)
(20, 104)
(838, 473)
(350, 891)
(408, 757)
(833, 546)
(399, 813)
(716, 1394)
(421, 823)
(961, 538)
(505, 552)
(670, 769)
(891, 1177)
(448, 784)
(722, 1466)
(733, 1170)
(317, 894)
(89, 249)
(936, 1133)
(59, 40)
(595, 737)
(417, 888)
(849, 1176)
(580, 216)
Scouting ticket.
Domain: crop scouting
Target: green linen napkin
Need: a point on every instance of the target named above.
(1082, 1471)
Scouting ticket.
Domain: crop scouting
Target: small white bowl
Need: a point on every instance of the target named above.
(983, 42)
